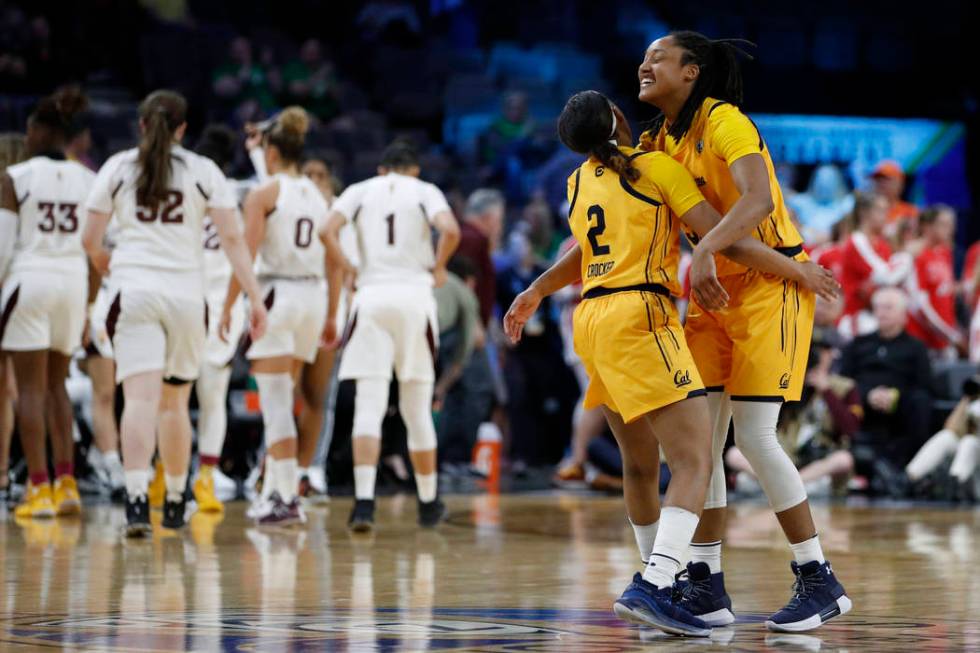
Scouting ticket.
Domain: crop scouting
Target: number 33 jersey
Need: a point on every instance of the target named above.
(292, 245)
(51, 194)
(392, 217)
(167, 237)
(628, 231)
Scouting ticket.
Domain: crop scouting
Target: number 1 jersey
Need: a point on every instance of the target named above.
(629, 232)
(392, 216)
(50, 197)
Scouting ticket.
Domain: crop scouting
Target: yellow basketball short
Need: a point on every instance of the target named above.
(632, 346)
(757, 347)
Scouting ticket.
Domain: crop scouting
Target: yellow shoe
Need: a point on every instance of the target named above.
(158, 488)
(66, 499)
(37, 502)
(204, 492)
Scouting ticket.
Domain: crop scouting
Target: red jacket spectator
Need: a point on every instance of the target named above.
(932, 285)
(969, 276)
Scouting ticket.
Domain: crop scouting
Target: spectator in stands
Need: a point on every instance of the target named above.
(868, 264)
(464, 391)
(541, 230)
(310, 81)
(241, 78)
(957, 441)
(508, 131)
(824, 204)
(816, 431)
(831, 254)
(892, 373)
(483, 221)
(889, 182)
(932, 284)
(541, 391)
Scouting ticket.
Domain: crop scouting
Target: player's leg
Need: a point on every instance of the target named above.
(314, 384)
(370, 405)
(174, 445)
(59, 421)
(101, 370)
(137, 430)
(8, 394)
(936, 449)
(415, 406)
(31, 375)
(212, 424)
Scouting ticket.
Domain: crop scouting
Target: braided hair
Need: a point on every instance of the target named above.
(587, 125)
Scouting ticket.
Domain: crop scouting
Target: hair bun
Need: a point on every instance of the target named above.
(294, 120)
(70, 100)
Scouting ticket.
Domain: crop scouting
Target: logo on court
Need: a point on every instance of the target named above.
(682, 378)
(784, 381)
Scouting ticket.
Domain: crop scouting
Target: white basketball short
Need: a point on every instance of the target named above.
(391, 327)
(297, 312)
(42, 310)
(153, 331)
(218, 352)
(99, 342)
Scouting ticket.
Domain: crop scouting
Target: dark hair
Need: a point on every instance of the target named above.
(217, 142)
(720, 76)
(586, 126)
(862, 203)
(400, 154)
(162, 112)
(288, 133)
(58, 111)
(319, 157)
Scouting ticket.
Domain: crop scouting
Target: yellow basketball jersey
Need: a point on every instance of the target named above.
(720, 134)
(629, 231)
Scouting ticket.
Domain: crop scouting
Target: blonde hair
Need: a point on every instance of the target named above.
(288, 133)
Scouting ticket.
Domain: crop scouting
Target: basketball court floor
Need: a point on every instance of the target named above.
(535, 572)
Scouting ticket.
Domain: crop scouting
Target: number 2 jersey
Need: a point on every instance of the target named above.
(629, 232)
(155, 246)
(51, 194)
(392, 217)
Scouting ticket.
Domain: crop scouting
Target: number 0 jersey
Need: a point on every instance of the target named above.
(721, 134)
(292, 245)
(629, 232)
(50, 193)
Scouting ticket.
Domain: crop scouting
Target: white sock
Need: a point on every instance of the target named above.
(645, 537)
(808, 551)
(677, 527)
(933, 452)
(965, 460)
(426, 485)
(137, 482)
(709, 552)
(301, 472)
(175, 486)
(111, 458)
(364, 478)
(286, 480)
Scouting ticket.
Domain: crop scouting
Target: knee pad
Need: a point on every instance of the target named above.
(276, 400)
(720, 407)
(755, 436)
(415, 405)
(370, 406)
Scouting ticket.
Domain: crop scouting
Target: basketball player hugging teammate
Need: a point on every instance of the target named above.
(627, 209)
(158, 194)
(393, 316)
(283, 216)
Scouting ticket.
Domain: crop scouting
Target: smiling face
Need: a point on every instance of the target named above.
(662, 73)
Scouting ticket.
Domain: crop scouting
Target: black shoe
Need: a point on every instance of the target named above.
(173, 512)
(362, 516)
(431, 513)
(138, 517)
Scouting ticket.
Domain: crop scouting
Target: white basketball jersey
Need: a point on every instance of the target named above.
(167, 238)
(392, 219)
(51, 195)
(217, 267)
(292, 246)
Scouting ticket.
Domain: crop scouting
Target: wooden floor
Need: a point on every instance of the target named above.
(506, 573)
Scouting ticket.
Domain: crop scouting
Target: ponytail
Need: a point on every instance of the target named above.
(587, 124)
(161, 113)
(613, 158)
(288, 133)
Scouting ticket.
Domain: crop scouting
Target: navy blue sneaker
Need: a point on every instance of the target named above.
(817, 598)
(704, 596)
(644, 604)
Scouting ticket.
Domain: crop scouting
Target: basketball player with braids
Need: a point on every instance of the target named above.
(158, 194)
(43, 302)
(283, 217)
(751, 348)
(627, 209)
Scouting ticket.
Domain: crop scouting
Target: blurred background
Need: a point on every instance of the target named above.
(874, 97)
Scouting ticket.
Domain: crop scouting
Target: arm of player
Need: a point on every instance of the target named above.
(340, 273)
(445, 223)
(93, 241)
(566, 270)
(256, 206)
(9, 220)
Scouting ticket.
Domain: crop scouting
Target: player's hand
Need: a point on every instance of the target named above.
(329, 339)
(819, 280)
(258, 318)
(100, 261)
(253, 137)
(707, 290)
(439, 277)
(520, 312)
(86, 334)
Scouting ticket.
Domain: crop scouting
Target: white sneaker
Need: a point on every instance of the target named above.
(117, 477)
(225, 487)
